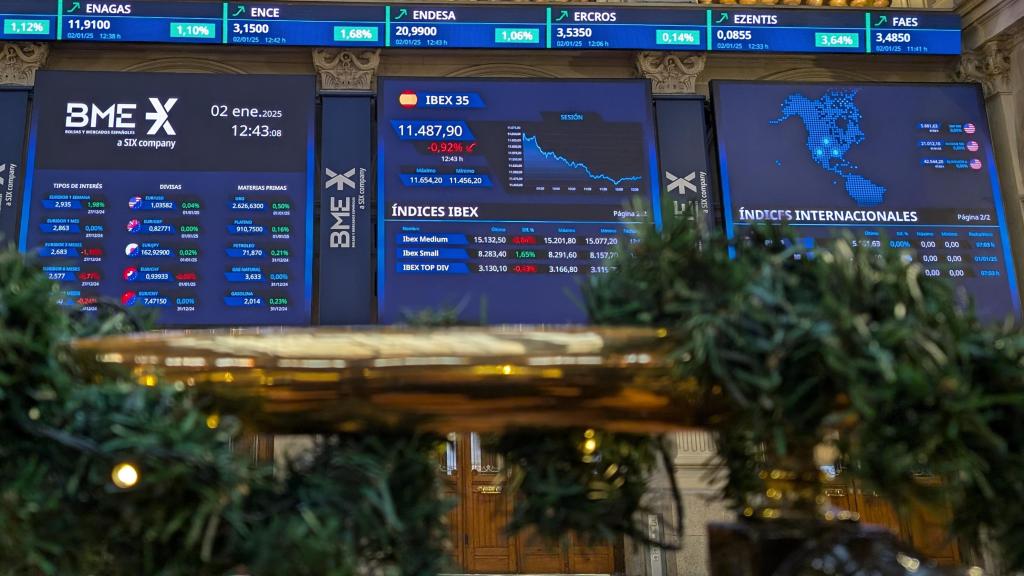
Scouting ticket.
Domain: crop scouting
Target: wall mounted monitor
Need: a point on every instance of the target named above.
(496, 198)
(187, 194)
(904, 165)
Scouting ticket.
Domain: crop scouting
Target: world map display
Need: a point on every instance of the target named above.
(833, 128)
(907, 167)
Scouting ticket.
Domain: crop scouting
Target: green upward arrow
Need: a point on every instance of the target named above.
(562, 15)
(239, 10)
(74, 6)
(401, 14)
(882, 20)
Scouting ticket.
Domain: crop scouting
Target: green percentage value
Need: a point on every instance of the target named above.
(516, 35)
(191, 30)
(677, 37)
(355, 33)
(28, 27)
(836, 40)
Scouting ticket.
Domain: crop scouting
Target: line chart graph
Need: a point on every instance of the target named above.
(538, 160)
(574, 158)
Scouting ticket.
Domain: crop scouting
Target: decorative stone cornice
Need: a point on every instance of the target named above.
(671, 72)
(346, 69)
(989, 65)
(20, 60)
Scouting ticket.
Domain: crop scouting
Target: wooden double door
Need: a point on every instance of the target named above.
(482, 546)
(925, 527)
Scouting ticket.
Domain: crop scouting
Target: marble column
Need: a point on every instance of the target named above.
(997, 66)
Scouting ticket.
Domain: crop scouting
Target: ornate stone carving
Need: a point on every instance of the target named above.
(346, 69)
(671, 72)
(20, 61)
(989, 65)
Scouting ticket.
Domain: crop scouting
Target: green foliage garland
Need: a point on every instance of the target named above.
(366, 504)
(586, 482)
(853, 347)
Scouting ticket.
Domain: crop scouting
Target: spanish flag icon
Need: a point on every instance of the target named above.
(408, 99)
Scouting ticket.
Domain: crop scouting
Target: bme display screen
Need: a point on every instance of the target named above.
(903, 165)
(497, 197)
(188, 194)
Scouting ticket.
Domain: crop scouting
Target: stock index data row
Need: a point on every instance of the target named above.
(410, 25)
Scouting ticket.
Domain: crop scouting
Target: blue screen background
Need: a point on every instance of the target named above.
(845, 147)
(608, 142)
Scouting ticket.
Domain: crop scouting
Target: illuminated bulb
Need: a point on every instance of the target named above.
(909, 562)
(212, 421)
(149, 380)
(589, 433)
(506, 369)
(589, 446)
(975, 571)
(125, 476)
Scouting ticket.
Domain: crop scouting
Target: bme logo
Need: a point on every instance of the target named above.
(344, 222)
(81, 115)
(343, 208)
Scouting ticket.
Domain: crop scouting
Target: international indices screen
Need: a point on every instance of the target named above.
(497, 197)
(903, 165)
(186, 194)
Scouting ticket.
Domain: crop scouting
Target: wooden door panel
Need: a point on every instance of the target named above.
(478, 523)
(875, 510)
(929, 533)
(451, 480)
(540, 556)
(489, 548)
(587, 557)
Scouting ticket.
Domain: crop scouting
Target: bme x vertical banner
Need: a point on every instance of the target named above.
(13, 113)
(346, 234)
(684, 159)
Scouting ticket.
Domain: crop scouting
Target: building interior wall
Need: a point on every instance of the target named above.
(996, 58)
